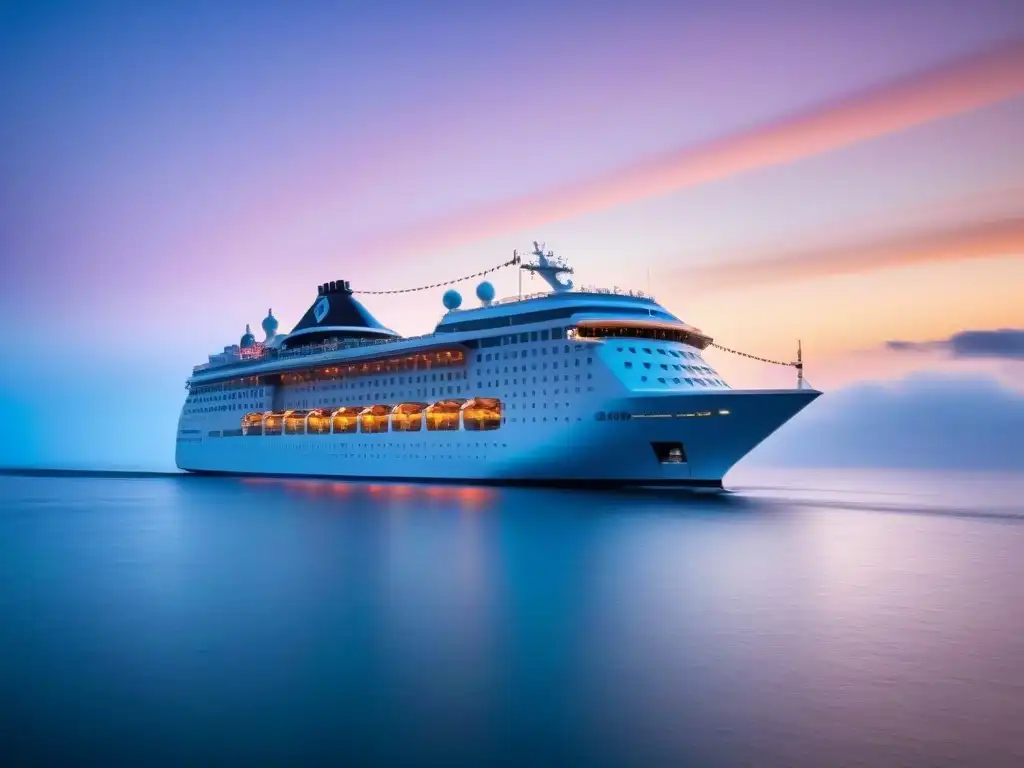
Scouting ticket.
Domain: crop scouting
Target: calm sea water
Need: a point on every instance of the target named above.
(807, 619)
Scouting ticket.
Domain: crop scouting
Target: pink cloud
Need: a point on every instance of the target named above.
(954, 88)
(974, 240)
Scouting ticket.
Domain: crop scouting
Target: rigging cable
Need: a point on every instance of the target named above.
(754, 357)
(517, 259)
(511, 262)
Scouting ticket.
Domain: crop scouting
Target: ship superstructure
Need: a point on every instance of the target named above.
(571, 386)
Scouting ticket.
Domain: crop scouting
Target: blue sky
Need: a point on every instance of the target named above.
(845, 173)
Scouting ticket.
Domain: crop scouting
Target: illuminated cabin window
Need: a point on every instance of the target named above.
(272, 423)
(374, 419)
(318, 422)
(420, 362)
(252, 424)
(407, 417)
(481, 413)
(345, 420)
(295, 422)
(655, 333)
(444, 415)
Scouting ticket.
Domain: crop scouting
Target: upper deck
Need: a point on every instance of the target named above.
(324, 335)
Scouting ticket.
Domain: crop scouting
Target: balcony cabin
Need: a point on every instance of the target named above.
(345, 420)
(407, 417)
(374, 419)
(656, 330)
(318, 422)
(443, 416)
(426, 361)
(481, 413)
(423, 361)
(272, 423)
(295, 422)
(252, 424)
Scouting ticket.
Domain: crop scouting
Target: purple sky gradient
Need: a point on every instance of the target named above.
(170, 170)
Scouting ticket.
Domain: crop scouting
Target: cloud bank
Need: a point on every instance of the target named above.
(925, 421)
(1002, 344)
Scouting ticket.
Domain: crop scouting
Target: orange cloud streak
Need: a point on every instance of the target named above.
(951, 89)
(975, 240)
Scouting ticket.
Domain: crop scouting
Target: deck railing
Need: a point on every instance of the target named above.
(306, 351)
(270, 354)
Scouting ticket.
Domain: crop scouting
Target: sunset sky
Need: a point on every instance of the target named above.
(848, 174)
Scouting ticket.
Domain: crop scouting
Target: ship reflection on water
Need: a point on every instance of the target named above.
(470, 497)
(306, 621)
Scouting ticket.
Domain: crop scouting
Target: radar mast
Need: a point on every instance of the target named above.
(550, 268)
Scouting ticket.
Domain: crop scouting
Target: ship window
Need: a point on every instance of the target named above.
(374, 419)
(481, 413)
(629, 364)
(443, 416)
(252, 424)
(295, 422)
(544, 335)
(407, 417)
(524, 337)
(669, 453)
(533, 335)
(318, 422)
(272, 424)
(345, 420)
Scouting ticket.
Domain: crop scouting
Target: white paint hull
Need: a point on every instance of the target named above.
(574, 410)
(581, 451)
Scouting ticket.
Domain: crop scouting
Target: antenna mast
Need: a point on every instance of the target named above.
(799, 365)
(548, 267)
(519, 260)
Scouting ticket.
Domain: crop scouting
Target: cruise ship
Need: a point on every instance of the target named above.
(576, 387)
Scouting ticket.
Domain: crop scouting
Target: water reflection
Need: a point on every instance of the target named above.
(469, 497)
(277, 620)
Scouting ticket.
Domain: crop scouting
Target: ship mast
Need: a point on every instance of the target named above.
(799, 365)
(549, 267)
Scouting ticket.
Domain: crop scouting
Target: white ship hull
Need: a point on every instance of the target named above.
(605, 453)
(567, 388)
